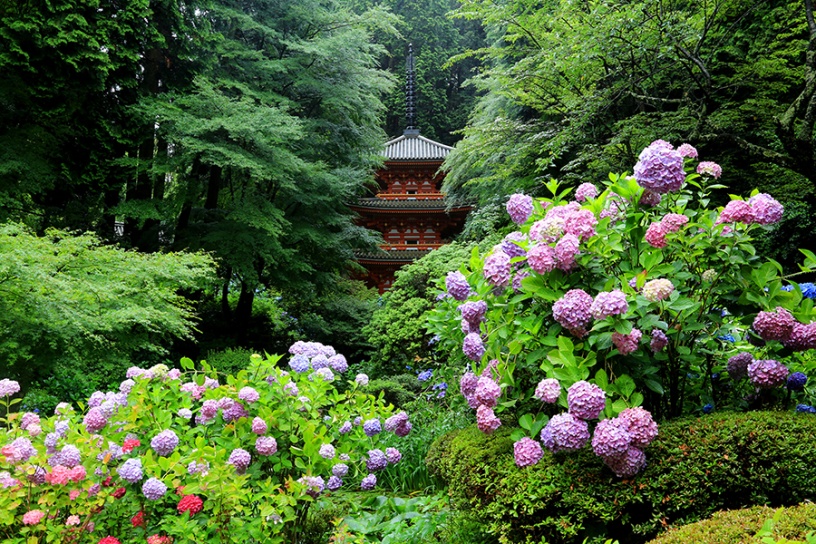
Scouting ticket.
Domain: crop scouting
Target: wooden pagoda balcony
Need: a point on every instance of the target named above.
(405, 196)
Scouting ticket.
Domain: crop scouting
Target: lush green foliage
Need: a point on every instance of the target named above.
(748, 525)
(69, 302)
(696, 467)
(265, 501)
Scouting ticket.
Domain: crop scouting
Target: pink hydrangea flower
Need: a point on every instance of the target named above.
(767, 373)
(611, 438)
(674, 221)
(585, 400)
(527, 452)
(486, 420)
(487, 392)
(627, 343)
(572, 311)
(565, 251)
(687, 151)
(548, 390)
(736, 211)
(802, 338)
(259, 426)
(659, 340)
(775, 325)
(656, 235)
(541, 258)
(33, 517)
(549, 229)
(497, 269)
(609, 303)
(565, 432)
(520, 207)
(709, 168)
(627, 465)
(642, 428)
(581, 224)
(766, 210)
(585, 191)
(249, 394)
(467, 383)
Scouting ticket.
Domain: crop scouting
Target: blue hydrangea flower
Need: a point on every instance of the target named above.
(708, 408)
(425, 375)
(805, 409)
(727, 338)
(797, 381)
(299, 363)
(808, 290)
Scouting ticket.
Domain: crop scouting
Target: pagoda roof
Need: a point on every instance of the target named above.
(383, 256)
(401, 204)
(411, 146)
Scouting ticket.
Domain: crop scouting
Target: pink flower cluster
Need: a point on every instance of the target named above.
(660, 168)
(527, 452)
(775, 325)
(767, 373)
(572, 311)
(585, 191)
(609, 303)
(548, 390)
(585, 400)
(657, 290)
(762, 209)
(519, 207)
(497, 269)
(627, 343)
(620, 441)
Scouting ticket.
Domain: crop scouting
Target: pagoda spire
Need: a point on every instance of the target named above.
(410, 93)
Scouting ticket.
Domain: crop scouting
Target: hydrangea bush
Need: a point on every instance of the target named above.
(194, 456)
(637, 293)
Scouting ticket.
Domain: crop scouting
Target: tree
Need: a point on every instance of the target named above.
(67, 299)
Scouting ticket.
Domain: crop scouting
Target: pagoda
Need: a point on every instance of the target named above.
(408, 207)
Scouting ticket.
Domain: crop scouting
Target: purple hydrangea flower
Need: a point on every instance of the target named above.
(520, 207)
(527, 452)
(660, 169)
(345, 427)
(628, 465)
(564, 432)
(802, 338)
(548, 390)
(95, 420)
(369, 482)
(372, 427)
(565, 251)
(404, 429)
(393, 455)
(585, 400)
(324, 373)
(340, 470)
(259, 426)
(338, 363)
(767, 373)
(659, 340)
(650, 198)
(395, 421)
(70, 456)
(320, 361)
(797, 381)
(240, 458)
(264, 445)
(467, 383)
(164, 443)
(314, 485)
(334, 483)
(457, 285)
(377, 460)
(737, 366)
(572, 311)
(131, 470)
(497, 269)
(473, 310)
(510, 244)
(609, 303)
(766, 210)
(473, 347)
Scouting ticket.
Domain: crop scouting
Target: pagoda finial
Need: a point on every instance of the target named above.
(410, 105)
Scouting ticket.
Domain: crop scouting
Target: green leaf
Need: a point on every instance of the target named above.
(526, 421)
(625, 385)
(602, 379)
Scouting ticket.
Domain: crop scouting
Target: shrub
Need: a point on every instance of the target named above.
(738, 526)
(214, 456)
(696, 467)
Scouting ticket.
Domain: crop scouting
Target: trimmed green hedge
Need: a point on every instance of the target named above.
(738, 526)
(696, 467)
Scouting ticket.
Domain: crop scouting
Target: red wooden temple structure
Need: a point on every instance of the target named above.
(408, 208)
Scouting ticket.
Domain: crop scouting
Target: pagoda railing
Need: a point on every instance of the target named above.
(418, 196)
(410, 247)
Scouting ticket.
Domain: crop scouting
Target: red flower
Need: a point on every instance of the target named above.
(129, 444)
(119, 493)
(109, 540)
(138, 520)
(191, 503)
(156, 539)
(108, 481)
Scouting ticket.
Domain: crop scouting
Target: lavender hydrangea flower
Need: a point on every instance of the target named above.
(95, 420)
(527, 452)
(372, 427)
(585, 400)
(265, 445)
(345, 428)
(519, 207)
(154, 489)
(164, 443)
(467, 383)
(403, 430)
(611, 438)
(609, 303)
(766, 210)
(767, 373)
(259, 426)
(497, 269)
(395, 421)
(340, 470)
(314, 485)
(299, 363)
(327, 451)
(548, 390)
(8, 387)
(564, 432)
(338, 363)
(457, 285)
(240, 458)
(131, 470)
(510, 244)
(324, 373)
(369, 482)
(473, 347)
(572, 311)
(361, 380)
(393, 455)
(660, 169)
(377, 460)
(320, 361)
(248, 395)
(473, 310)
(737, 366)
